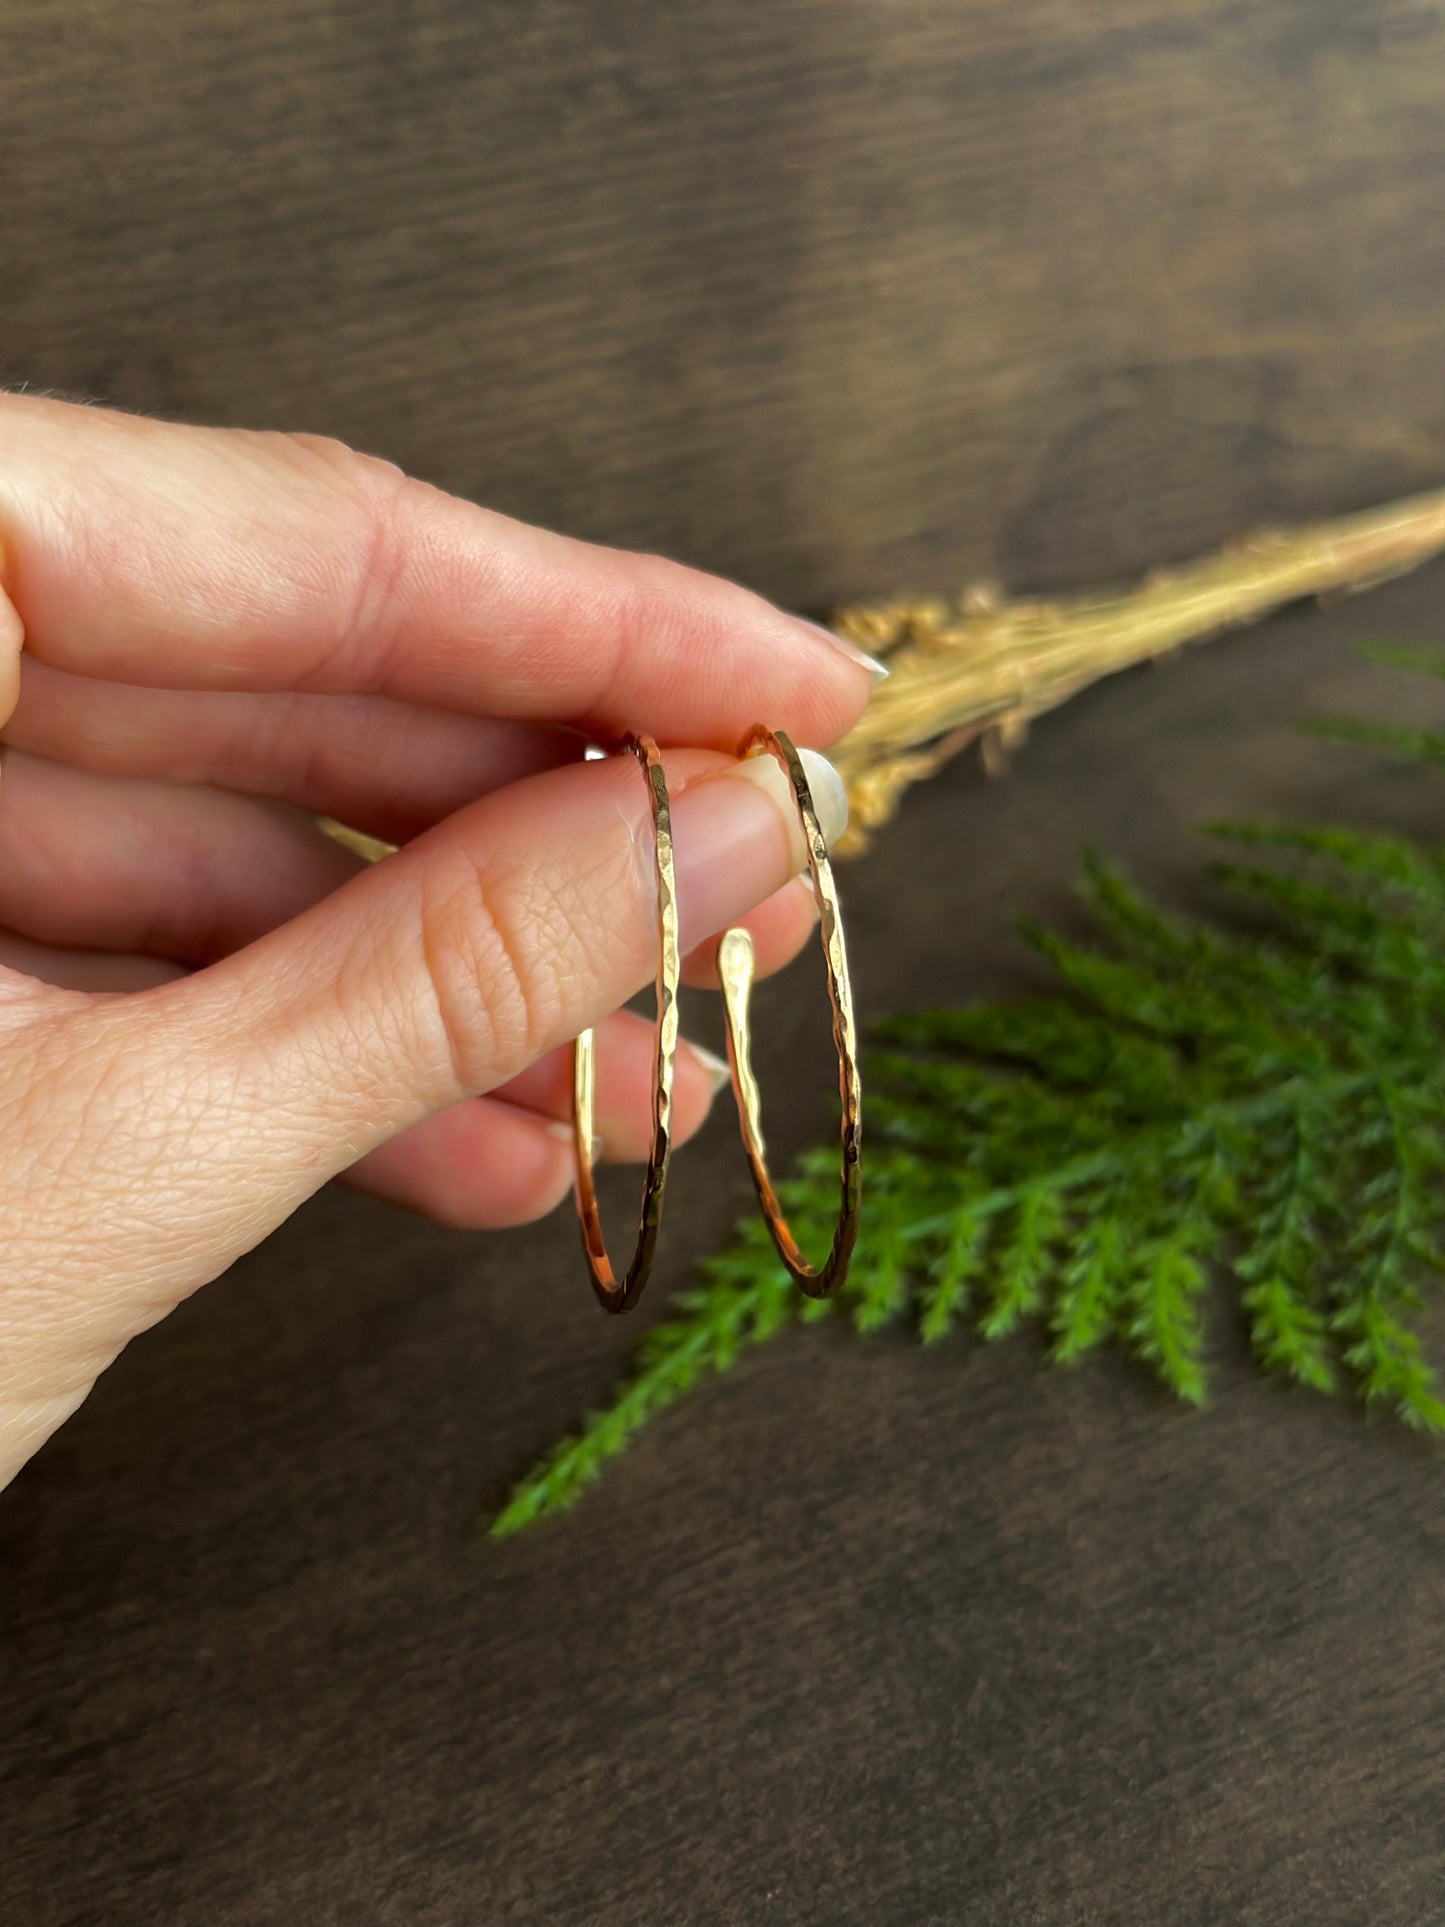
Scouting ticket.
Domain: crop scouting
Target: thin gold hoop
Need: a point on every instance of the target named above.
(735, 975)
(611, 1295)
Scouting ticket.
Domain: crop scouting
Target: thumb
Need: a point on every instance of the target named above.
(445, 970)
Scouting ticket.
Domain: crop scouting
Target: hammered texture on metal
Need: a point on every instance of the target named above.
(612, 1295)
(735, 976)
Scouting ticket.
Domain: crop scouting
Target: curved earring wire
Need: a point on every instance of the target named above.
(611, 1295)
(735, 975)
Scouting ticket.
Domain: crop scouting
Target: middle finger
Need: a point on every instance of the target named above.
(389, 768)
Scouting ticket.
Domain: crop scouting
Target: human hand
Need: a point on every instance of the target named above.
(207, 1007)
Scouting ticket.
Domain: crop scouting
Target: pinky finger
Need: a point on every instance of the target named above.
(96, 970)
(477, 1166)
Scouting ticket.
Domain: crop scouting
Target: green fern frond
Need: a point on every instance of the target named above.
(1394, 655)
(1410, 745)
(952, 1274)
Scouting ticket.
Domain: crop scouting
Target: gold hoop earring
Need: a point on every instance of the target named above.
(611, 1295)
(735, 975)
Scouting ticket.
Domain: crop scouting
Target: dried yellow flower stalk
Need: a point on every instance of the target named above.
(981, 669)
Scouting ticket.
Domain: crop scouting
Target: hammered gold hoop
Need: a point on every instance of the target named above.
(735, 975)
(611, 1295)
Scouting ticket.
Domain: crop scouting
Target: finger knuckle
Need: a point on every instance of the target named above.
(491, 948)
(377, 522)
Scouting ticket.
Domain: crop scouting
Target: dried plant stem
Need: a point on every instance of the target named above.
(981, 669)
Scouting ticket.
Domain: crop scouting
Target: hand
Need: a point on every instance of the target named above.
(207, 1007)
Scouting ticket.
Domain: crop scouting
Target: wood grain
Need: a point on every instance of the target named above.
(842, 297)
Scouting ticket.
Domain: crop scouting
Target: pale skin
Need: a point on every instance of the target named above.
(208, 1009)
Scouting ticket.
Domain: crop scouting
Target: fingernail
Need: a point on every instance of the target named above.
(713, 1067)
(737, 837)
(877, 670)
(830, 796)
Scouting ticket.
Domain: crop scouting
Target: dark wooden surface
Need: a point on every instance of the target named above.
(863, 1636)
(839, 296)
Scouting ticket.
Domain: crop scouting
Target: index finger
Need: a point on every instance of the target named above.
(197, 558)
